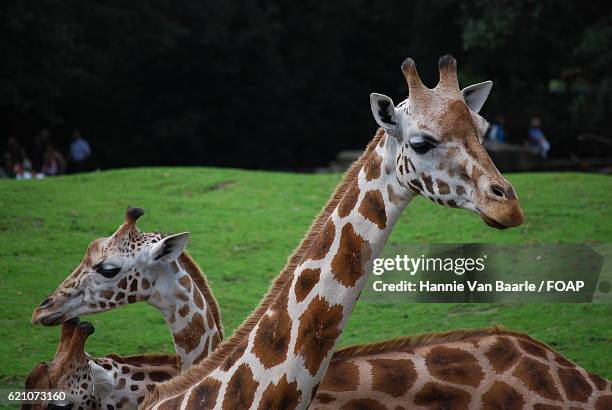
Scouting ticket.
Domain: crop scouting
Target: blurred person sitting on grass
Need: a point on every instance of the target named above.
(53, 161)
(537, 139)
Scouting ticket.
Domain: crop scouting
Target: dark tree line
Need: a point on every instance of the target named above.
(286, 84)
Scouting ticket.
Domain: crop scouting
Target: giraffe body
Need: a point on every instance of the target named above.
(463, 370)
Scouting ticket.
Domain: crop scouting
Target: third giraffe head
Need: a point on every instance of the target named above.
(440, 153)
(123, 268)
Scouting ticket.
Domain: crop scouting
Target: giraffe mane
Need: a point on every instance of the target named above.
(199, 371)
(405, 344)
(147, 360)
(197, 276)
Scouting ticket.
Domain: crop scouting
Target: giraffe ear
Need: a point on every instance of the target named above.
(103, 381)
(170, 248)
(475, 95)
(383, 110)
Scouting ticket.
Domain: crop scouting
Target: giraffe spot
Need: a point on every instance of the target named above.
(134, 285)
(102, 304)
(180, 295)
(120, 296)
(373, 208)
(240, 389)
(185, 282)
(452, 203)
(532, 349)
(349, 200)
(323, 242)
(502, 355)
(204, 395)
(317, 332)
(159, 376)
(184, 310)
(353, 252)
(121, 384)
(598, 381)
(575, 385)
(454, 366)
(428, 183)
(563, 361)
(145, 283)
(280, 396)
(537, 378)
(132, 299)
(189, 337)
(138, 376)
(416, 186)
(324, 398)
(172, 404)
(272, 338)
(134, 387)
(392, 376)
(604, 403)
(443, 187)
(341, 375)
(502, 396)
(110, 407)
(412, 167)
(546, 407)
(393, 197)
(305, 282)
(437, 396)
(107, 366)
(122, 283)
(372, 167)
(107, 294)
(363, 404)
(125, 369)
(460, 190)
(197, 298)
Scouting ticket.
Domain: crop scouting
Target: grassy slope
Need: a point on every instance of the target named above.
(242, 234)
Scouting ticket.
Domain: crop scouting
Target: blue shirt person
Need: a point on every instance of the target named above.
(537, 139)
(80, 151)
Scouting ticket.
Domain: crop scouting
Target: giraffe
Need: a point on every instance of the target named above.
(463, 370)
(428, 145)
(132, 266)
(107, 383)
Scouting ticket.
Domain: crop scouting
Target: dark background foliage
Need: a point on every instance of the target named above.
(286, 84)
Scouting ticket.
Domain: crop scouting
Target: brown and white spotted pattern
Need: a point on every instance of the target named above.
(463, 370)
(106, 383)
(281, 357)
(132, 266)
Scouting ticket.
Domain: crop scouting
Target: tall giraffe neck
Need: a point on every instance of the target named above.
(190, 318)
(284, 356)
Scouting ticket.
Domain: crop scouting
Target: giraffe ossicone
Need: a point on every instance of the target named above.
(429, 145)
(132, 266)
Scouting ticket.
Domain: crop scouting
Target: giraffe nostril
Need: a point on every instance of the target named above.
(45, 303)
(498, 191)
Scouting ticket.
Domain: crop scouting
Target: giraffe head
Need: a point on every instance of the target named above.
(71, 371)
(123, 268)
(440, 153)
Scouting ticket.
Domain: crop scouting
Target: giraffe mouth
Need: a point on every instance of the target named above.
(53, 319)
(491, 222)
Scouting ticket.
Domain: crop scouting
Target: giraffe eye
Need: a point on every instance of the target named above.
(107, 271)
(422, 143)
